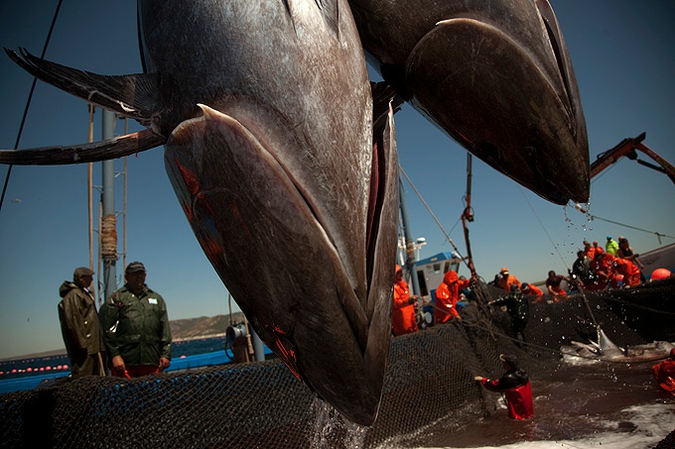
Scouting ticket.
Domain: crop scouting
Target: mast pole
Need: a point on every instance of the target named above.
(409, 244)
(124, 217)
(109, 223)
(467, 216)
(90, 200)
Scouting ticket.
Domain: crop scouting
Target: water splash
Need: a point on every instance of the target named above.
(328, 423)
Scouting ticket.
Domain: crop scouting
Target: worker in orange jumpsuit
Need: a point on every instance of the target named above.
(555, 290)
(664, 373)
(531, 290)
(589, 250)
(602, 267)
(507, 280)
(446, 297)
(628, 271)
(403, 319)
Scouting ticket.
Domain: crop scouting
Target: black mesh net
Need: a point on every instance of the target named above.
(262, 405)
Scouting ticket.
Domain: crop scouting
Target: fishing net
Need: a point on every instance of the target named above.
(428, 386)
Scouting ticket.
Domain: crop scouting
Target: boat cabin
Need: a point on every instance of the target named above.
(430, 272)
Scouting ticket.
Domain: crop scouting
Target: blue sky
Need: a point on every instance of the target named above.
(624, 60)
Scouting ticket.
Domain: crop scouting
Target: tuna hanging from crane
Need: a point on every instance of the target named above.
(266, 115)
(495, 75)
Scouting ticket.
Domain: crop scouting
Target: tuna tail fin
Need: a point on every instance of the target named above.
(605, 344)
(132, 96)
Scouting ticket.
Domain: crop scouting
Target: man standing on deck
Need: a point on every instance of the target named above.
(611, 247)
(135, 327)
(447, 295)
(581, 271)
(403, 317)
(507, 280)
(515, 384)
(79, 325)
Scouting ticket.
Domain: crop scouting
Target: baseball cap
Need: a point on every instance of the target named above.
(82, 271)
(133, 267)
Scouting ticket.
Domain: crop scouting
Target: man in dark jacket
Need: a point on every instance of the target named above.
(581, 271)
(79, 325)
(515, 384)
(135, 327)
(518, 309)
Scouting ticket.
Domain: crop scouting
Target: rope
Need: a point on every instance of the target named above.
(419, 195)
(658, 234)
(109, 238)
(28, 102)
(588, 307)
(543, 227)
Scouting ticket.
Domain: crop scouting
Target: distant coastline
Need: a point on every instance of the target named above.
(182, 330)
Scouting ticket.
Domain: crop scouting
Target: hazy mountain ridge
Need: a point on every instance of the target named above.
(183, 329)
(205, 326)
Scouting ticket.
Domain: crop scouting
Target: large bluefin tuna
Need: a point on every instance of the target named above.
(265, 110)
(495, 75)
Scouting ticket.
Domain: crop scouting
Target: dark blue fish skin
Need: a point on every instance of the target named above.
(495, 75)
(266, 113)
(270, 153)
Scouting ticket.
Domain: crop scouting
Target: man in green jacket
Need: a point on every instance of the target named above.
(611, 246)
(136, 327)
(79, 325)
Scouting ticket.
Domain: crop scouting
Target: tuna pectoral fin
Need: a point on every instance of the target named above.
(101, 150)
(131, 96)
(563, 59)
(385, 99)
(487, 92)
(382, 257)
(258, 228)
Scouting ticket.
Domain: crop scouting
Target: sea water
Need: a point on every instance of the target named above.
(611, 405)
(577, 405)
(23, 373)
